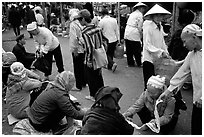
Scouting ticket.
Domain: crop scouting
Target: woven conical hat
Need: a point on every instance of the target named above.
(156, 9)
(140, 4)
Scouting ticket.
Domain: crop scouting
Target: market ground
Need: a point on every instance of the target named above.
(129, 81)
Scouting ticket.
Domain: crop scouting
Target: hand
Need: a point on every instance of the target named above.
(89, 64)
(144, 127)
(198, 103)
(165, 55)
(41, 54)
(75, 54)
(127, 117)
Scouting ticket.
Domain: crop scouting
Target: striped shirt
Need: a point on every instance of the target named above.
(92, 36)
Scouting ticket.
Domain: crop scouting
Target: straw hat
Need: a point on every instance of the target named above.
(156, 9)
(139, 4)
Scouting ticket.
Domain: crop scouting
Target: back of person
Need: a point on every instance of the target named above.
(29, 15)
(176, 49)
(109, 28)
(104, 117)
(14, 17)
(102, 121)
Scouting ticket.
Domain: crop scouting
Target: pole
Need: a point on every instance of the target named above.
(118, 6)
(61, 16)
(44, 13)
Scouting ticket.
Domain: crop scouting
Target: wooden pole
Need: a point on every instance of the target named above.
(61, 16)
(118, 6)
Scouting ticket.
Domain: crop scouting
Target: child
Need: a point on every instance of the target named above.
(145, 106)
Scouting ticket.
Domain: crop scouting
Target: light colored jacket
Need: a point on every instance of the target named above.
(18, 93)
(153, 41)
(75, 37)
(45, 40)
(165, 110)
(109, 28)
(133, 28)
(191, 66)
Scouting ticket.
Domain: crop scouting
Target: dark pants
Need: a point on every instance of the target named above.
(148, 71)
(145, 117)
(16, 29)
(52, 122)
(196, 121)
(30, 57)
(58, 58)
(94, 80)
(133, 50)
(79, 73)
(110, 53)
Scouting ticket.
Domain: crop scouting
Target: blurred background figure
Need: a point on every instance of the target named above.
(15, 19)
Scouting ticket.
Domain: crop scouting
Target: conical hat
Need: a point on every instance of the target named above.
(156, 9)
(140, 4)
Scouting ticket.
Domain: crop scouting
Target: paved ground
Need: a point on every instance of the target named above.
(129, 80)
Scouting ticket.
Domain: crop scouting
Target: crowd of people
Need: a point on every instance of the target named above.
(45, 105)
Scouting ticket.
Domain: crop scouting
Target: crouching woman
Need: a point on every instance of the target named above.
(53, 104)
(145, 106)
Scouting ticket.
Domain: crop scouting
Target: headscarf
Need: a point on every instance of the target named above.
(18, 69)
(64, 80)
(107, 91)
(8, 58)
(193, 29)
(157, 82)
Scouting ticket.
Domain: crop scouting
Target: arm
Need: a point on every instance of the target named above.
(179, 78)
(169, 112)
(66, 106)
(31, 84)
(32, 74)
(48, 41)
(136, 107)
(73, 38)
(148, 44)
(117, 30)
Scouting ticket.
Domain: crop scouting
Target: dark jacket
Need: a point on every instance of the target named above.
(176, 49)
(22, 56)
(14, 17)
(29, 16)
(103, 121)
(50, 107)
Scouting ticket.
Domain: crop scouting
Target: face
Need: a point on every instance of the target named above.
(153, 92)
(82, 22)
(158, 18)
(34, 32)
(189, 41)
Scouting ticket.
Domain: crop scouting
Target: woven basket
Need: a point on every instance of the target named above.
(165, 67)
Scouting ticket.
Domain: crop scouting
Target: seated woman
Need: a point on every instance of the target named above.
(104, 118)
(20, 83)
(53, 104)
(145, 106)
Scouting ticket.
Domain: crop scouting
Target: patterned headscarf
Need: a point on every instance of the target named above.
(18, 69)
(193, 29)
(156, 81)
(65, 81)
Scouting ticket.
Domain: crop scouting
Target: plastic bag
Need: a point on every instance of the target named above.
(119, 51)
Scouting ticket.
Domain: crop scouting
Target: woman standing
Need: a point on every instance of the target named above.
(153, 40)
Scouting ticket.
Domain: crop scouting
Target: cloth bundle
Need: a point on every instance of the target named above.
(154, 126)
